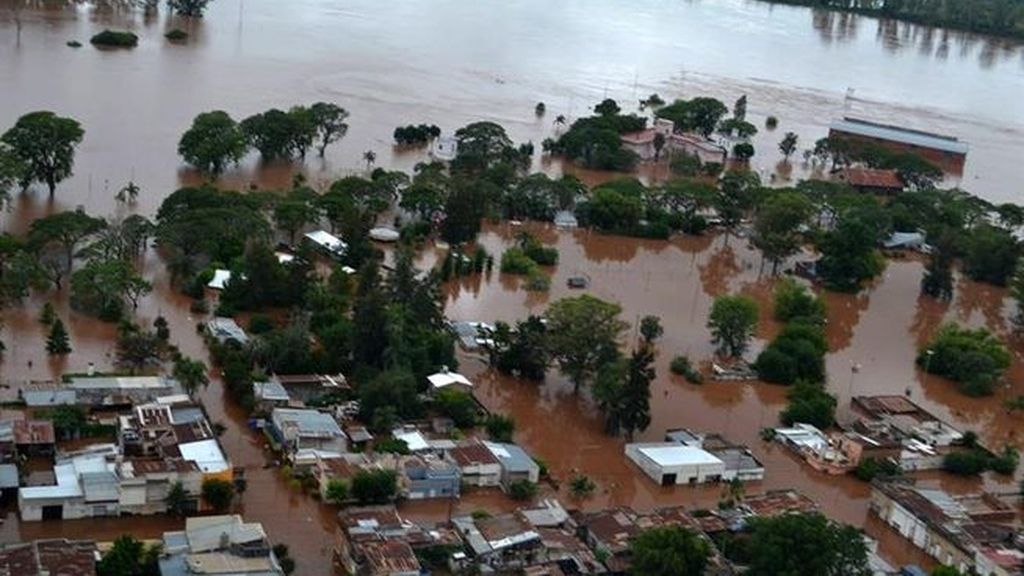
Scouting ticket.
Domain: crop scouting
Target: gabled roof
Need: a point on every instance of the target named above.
(900, 134)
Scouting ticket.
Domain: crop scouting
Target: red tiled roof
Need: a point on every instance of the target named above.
(871, 178)
(472, 454)
(31, 432)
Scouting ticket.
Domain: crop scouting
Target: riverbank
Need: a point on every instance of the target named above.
(1001, 18)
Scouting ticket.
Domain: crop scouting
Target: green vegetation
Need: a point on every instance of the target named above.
(973, 459)
(191, 8)
(522, 490)
(805, 543)
(40, 147)
(870, 468)
(176, 35)
(416, 135)
(996, 17)
(213, 142)
(374, 486)
(581, 487)
(129, 557)
(732, 322)
(57, 342)
(594, 141)
(669, 551)
(115, 39)
(219, 494)
(583, 335)
(793, 302)
(521, 350)
(457, 405)
(500, 428)
(701, 115)
(809, 403)
(623, 392)
(975, 359)
(681, 365)
(796, 354)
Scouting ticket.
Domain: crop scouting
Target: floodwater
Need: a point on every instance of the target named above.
(451, 63)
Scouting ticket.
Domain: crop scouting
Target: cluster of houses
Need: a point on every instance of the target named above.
(890, 427)
(223, 545)
(162, 438)
(542, 540)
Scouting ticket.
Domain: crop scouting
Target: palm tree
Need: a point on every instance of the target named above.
(129, 193)
(191, 374)
(369, 157)
(560, 120)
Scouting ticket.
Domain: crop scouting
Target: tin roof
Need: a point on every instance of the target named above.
(33, 432)
(900, 134)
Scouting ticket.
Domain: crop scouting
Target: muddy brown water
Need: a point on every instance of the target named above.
(450, 63)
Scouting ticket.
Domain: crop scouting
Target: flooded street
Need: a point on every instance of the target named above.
(450, 63)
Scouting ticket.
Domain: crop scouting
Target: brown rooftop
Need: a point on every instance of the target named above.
(154, 465)
(389, 557)
(779, 502)
(338, 467)
(871, 178)
(381, 516)
(52, 557)
(504, 526)
(613, 527)
(472, 454)
(33, 432)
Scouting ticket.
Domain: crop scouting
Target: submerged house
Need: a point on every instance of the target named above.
(642, 143)
(687, 457)
(224, 545)
(298, 430)
(947, 152)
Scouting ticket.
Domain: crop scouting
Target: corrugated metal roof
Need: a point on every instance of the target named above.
(900, 134)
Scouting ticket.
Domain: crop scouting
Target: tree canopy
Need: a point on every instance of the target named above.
(43, 145)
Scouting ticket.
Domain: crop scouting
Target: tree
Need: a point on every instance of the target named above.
(583, 335)
(68, 421)
(44, 145)
(329, 120)
(129, 557)
(374, 486)
(659, 144)
(177, 500)
(57, 341)
(739, 109)
(793, 301)
(66, 230)
(651, 329)
(777, 226)
(370, 157)
(213, 142)
(129, 193)
(607, 107)
(743, 151)
(805, 544)
(732, 322)
(700, 115)
(937, 281)
(991, 254)
(849, 254)
(191, 374)
(635, 402)
(522, 351)
(500, 427)
(11, 173)
(191, 8)
(337, 492)
(103, 286)
(457, 405)
(137, 349)
(295, 211)
(788, 144)
(275, 133)
(1017, 293)
(809, 403)
(218, 494)
(975, 359)
(669, 551)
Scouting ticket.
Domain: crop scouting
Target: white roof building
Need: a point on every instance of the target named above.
(670, 463)
(328, 242)
(206, 454)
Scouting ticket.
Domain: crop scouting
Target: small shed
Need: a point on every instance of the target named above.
(220, 279)
(327, 243)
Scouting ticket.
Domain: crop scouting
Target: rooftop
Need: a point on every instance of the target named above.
(327, 240)
(672, 454)
(307, 422)
(57, 557)
(900, 134)
(206, 454)
(270, 390)
(445, 378)
(390, 557)
(207, 533)
(512, 457)
(871, 178)
(33, 432)
(472, 454)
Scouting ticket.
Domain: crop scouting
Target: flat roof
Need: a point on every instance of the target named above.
(445, 378)
(118, 382)
(899, 134)
(414, 439)
(308, 422)
(679, 455)
(220, 279)
(206, 454)
(327, 240)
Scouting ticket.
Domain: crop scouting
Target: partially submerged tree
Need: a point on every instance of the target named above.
(583, 336)
(732, 321)
(213, 142)
(44, 146)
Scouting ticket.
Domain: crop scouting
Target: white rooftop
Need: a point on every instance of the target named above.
(327, 240)
(414, 439)
(445, 378)
(220, 279)
(206, 454)
(678, 455)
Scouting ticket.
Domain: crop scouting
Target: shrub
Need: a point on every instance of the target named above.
(771, 122)
(260, 324)
(392, 446)
(809, 404)
(74, 44)
(515, 261)
(522, 490)
(176, 35)
(538, 281)
(797, 353)
(794, 301)
(115, 38)
(681, 365)
(973, 358)
(965, 463)
(868, 468)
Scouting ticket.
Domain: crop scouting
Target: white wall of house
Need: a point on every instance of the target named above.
(481, 475)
